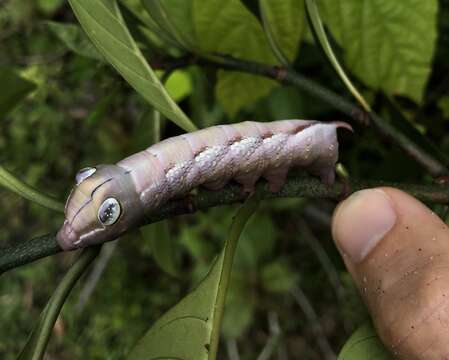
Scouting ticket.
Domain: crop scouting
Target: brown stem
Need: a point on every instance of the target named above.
(309, 187)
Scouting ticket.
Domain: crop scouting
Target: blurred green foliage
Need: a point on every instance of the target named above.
(80, 112)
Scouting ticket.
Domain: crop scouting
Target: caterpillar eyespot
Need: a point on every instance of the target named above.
(116, 197)
(109, 211)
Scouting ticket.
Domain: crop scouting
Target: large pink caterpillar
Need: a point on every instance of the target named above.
(110, 199)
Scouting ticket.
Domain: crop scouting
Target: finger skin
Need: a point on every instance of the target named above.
(404, 280)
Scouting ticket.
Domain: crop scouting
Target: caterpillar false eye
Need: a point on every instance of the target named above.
(109, 211)
(83, 174)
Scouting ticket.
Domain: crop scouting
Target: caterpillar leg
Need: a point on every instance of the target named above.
(328, 176)
(216, 184)
(248, 180)
(276, 178)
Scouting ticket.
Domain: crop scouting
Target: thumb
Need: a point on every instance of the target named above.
(397, 251)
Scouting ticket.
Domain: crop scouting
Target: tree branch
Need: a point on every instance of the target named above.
(303, 186)
(290, 77)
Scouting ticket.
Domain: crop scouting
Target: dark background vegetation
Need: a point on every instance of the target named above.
(82, 113)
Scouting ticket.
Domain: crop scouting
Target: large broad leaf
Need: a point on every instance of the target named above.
(103, 23)
(284, 23)
(235, 90)
(142, 26)
(14, 89)
(191, 329)
(174, 17)
(388, 44)
(364, 344)
(219, 26)
(228, 27)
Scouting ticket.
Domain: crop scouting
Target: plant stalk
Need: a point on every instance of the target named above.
(304, 186)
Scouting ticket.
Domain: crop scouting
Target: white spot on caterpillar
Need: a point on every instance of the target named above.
(209, 156)
(275, 140)
(154, 193)
(274, 145)
(241, 148)
(178, 172)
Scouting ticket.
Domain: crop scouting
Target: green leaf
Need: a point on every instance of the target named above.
(49, 6)
(228, 27)
(179, 85)
(147, 130)
(443, 105)
(278, 277)
(143, 26)
(190, 330)
(258, 241)
(103, 23)
(389, 45)
(240, 304)
(14, 89)
(317, 25)
(35, 347)
(174, 17)
(190, 238)
(102, 107)
(13, 184)
(364, 344)
(284, 23)
(74, 38)
(224, 27)
(236, 90)
(162, 246)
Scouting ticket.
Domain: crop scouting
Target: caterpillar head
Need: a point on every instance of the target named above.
(102, 205)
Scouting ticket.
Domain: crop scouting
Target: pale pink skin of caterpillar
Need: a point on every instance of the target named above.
(244, 152)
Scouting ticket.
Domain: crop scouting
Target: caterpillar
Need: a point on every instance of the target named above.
(107, 200)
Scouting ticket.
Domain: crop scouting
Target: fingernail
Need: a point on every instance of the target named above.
(361, 222)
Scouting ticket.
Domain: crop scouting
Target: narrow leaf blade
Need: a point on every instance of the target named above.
(35, 347)
(13, 184)
(14, 89)
(104, 25)
(284, 24)
(317, 25)
(74, 39)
